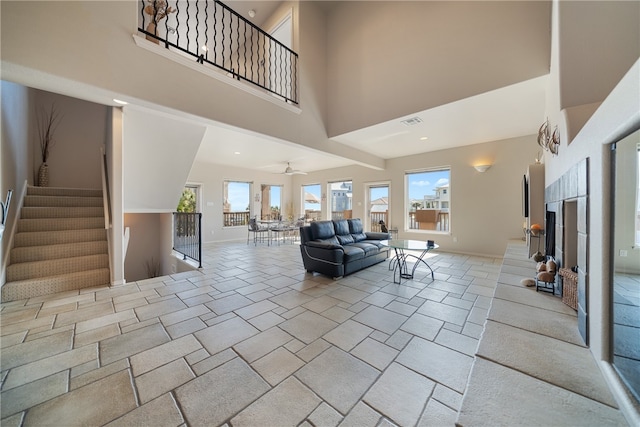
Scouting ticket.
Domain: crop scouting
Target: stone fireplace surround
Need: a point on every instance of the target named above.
(568, 197)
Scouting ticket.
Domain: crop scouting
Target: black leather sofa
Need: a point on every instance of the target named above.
(341, 247)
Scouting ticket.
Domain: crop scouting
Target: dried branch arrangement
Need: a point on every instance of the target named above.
(48, 122)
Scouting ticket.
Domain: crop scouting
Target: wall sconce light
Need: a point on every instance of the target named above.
(482, 168)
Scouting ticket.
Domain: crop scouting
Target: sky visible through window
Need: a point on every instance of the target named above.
(424, 183)
(275, 196)
(378, 192)
(238, 196)
(314, 190)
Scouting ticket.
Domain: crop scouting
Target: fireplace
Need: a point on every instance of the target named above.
(566, 231)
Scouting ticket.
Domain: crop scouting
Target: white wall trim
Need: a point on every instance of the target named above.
(219, 75)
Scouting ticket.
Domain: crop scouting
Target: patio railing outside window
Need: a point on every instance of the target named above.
(212, 33)
(232, 219)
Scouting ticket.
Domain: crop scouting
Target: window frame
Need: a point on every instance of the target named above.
(238, 220)
(442, 221)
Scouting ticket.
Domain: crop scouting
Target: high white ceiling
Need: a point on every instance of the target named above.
(509, 112)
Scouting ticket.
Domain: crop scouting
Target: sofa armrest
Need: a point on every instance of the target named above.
(323, 252)
(371, 235)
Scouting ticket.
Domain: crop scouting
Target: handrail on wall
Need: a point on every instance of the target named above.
(5, 212)
(106, 203)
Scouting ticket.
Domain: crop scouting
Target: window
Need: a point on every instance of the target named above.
(311, 202)
(236, 204)
(340, 199)
(427, 200)
(271, 201)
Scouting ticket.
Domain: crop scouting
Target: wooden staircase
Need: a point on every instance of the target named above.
(60, 244)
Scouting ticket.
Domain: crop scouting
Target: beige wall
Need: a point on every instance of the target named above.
(210, 178)
(74, 159)
(595, 62)
(15, 155)
(441, 51)
(486, 208)
(144, 245)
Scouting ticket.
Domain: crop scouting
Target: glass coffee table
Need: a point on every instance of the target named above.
(399, 263)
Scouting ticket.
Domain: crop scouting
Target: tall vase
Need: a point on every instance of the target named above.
(43, 175)
(151, 28)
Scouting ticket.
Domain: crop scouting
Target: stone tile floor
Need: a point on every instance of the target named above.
(250, 340)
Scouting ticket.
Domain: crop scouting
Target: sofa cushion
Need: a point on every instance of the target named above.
(355, 226)
(368, 248)
(359, 237)
(346, 239)
(375, 243)
(341, 226)
(330, 241)
(321, 230)
(352, 253)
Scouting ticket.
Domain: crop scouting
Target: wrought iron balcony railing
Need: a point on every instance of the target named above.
(212, 33)
(187, 235)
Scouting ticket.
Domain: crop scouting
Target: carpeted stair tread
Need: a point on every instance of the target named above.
(41, 238)
(60, 191)
(58, 224)
(66, 250)
(62, 201)
(60, 243)
(22, 289)
(55, 267)
(37, 212)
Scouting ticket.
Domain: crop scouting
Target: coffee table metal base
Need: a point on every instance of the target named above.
(400, 262)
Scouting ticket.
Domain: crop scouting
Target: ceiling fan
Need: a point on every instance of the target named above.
(290, 171)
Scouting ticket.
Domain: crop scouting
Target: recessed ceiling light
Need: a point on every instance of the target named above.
(423, 138)
(236, 152)
(118, 101)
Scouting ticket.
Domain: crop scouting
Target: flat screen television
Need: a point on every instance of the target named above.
(525, 197)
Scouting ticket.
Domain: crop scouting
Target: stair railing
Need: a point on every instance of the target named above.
(212, 33)
(4, 207)
(187, 235)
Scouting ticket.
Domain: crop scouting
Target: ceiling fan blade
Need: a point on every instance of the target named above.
(291, 171)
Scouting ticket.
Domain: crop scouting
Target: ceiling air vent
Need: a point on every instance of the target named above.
(412, 121)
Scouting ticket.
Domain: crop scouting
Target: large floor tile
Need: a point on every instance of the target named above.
(568, 366)
(400, 394)
(224, 335)
(546, 322)
(339, 378)
(213, 398)
(517, 399)
(436, 362)
(133, 342)
(288, 404)
(87, 405)
(161, 411)
(380, 319)
(308, 326)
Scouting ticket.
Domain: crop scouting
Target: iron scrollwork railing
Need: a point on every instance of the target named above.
(187, 235)
(212, 33)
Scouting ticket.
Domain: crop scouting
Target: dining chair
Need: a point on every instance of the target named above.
(258, 232)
